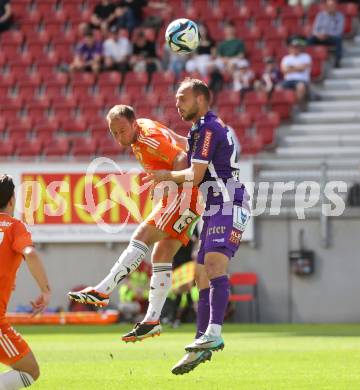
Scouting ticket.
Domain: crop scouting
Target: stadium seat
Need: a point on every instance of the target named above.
(265, 17)
(238, 15)
(109, 78)
(45, 7)
(10, 107)
(238, 280)
(7, 82)
(11, 37)
(28, 148)
(266, 125)
(228, 97)
(57, 147)
(7, 148)
(251, 144)
(74, 124)
(46, 129)
(38, 109)
(282, 102)
(85, 147)
(139, 79)
(66, 106)
(163, 78)
(108, 147)
(254, 101)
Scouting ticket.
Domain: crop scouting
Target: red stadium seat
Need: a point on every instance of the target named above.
(38, 109)
(282, 102)
(266, 125)
(239, 15)
(278, 34)
(28, 148)
(110, 78)
(249, 35)
(10, 107)
(265, 17)
(251, 144)
(45, 7)
(54, 28)
(56, 147)
(11, 37)
(75, 124)
(66, 106)
(7, 148)
(255, 101)
(163, 78)
(20, 8)
(139, 79)
(46, 129)
(108, 147)
(86, 147)
(7, 82)
(228, 97)
(149, 98)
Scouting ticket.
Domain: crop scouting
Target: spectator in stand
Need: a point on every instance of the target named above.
(103, 16)
(270, 77)
(172, 61)
(124, 17)
(144, 56)
(137, 9)
(88, 55)
(6, 17)
(231, 49)
(243, 76)
(328, 29)
(203, 59)
(117, 50)
(296, 68)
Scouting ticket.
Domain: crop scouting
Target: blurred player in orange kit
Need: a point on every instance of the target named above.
(16, 245)
(168, 226)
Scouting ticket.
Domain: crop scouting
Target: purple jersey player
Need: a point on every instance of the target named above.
(213, 166)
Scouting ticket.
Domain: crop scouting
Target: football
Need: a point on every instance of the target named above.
(182, 36)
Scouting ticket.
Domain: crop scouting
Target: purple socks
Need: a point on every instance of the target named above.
(219, 296)
(203, 313)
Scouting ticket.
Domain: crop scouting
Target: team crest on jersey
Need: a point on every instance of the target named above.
(235, 237)
(206, 144)
(241, 217)
(184, 221)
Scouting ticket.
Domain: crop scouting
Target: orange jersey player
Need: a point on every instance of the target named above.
(168, 226)
(16, 245)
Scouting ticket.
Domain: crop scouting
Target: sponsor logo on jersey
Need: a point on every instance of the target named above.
(195, 139)
(235, 237)
(216, 230)
(241, 217)
(218, 239)
(184, 221)
(206, 144)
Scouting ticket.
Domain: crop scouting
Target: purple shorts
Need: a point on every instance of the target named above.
(222, 233)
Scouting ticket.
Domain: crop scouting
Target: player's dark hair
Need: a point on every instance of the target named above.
(7, 188)
(122, 110)
(199, 87)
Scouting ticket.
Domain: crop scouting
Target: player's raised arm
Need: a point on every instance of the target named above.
(38, 272)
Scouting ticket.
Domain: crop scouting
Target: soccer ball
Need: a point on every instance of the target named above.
(182, 36)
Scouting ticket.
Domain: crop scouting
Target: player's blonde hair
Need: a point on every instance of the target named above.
(121, 110)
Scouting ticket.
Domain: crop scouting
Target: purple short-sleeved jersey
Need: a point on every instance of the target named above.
(211, 142)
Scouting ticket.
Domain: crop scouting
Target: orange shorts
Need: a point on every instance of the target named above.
(12, 346)
(177, 215)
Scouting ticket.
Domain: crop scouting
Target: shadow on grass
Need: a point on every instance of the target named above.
(281, 330)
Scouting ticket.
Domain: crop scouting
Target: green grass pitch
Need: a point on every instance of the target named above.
(256, 357)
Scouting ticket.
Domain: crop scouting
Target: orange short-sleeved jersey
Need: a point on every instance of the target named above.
(154, 148)
(14, 237)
